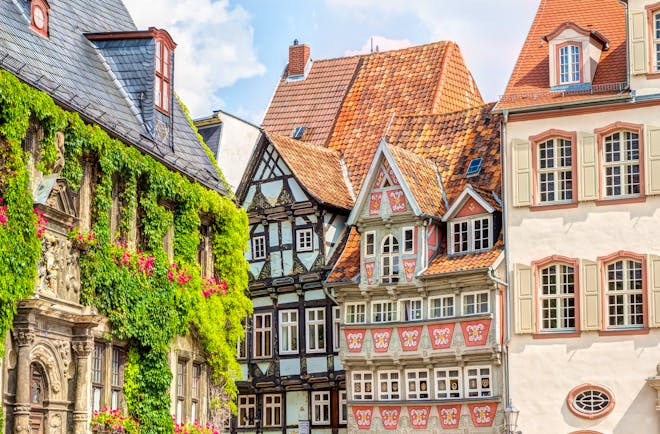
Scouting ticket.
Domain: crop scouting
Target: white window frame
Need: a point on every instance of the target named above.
(405, 233)
(289, 329)
(365, 379)
(389, 315)
(625, 293)
(392, 257)
(336, 328)
(656, 41)
(273, 408)
(245, 403)
(262, 335)
(258, 246)
(412, 309)
(448, 375)
(317, 342)
(477, 303)
(557, 294)
(391, 380)
(304, 240)
(625, 165)
(417, 377)
(356, 313)
(444, 306)
(573, 62)
(558, 170)
(471, 239)
(321, 408)
(369, 243)
(479, 391)
(343, 407)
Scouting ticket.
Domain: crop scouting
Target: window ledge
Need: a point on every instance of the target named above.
(623, 332)
(555, 335)
(653, 75)
(622, 200)
(571, 87)
(551, 206)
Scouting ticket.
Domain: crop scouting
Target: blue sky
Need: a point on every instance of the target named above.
(232, 53)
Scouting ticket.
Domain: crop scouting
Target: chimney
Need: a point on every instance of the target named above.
(298, 57)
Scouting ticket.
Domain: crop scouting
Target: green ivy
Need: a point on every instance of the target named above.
(146, 307)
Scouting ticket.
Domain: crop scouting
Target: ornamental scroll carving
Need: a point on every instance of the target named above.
(58, 269)
(83, 348)
(44, 356)
(24, 338)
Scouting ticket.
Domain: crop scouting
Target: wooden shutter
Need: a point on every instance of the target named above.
(654, 293)
(652, 157)
(587, 167)
(590, 304)
(522, 173)
(639, 48)
(524, 299)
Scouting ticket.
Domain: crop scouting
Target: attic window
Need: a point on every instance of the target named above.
(298, 132)
(474, 167)
(39, 12)
(569, 64)
(162, 86)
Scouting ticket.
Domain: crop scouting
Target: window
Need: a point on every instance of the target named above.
(162, 87)
(369, 244)
(97, 376)
(117, 382)
(388, 382)
(408, 240)
(288, 331)
(475, 303)
(321, 408)
(569, 64)
(241, 345)
(417, 384)
(448, 383)
(180, 390)
(474, 167)
(336, 327)
(590, 401)
(316, 330)
(272, 410)
(621, 155)
(195, 390)
(441, 307)
(471, 235)
(262, 334)
(362, 383)
(555, 170)
(246, 409)
(39, 17)
(656, 40)
(383, 311)
(298, 132)
(343, 407)
(304, 240)
(557, 297)
(389, 260)
(259, 247)
(477, 381)
(625, 294)
(356, 313)
(412, 309)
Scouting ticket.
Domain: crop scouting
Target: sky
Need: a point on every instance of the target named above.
(231, 54)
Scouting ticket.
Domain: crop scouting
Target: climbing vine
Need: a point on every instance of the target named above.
(148, 298)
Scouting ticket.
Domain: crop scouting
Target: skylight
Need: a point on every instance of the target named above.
(474, 168)
(298, 132)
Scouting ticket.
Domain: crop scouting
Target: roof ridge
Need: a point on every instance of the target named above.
(469, 109)
(385, 52)
(307, 144)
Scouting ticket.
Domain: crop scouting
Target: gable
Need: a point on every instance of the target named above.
(471, 207)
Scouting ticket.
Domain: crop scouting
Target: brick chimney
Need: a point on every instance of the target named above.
(298, 57)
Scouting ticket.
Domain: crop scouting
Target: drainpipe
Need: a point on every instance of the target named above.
(625, 4)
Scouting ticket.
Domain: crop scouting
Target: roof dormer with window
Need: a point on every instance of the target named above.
(163, 62)
(39, 14)
(470, 224)
(574, 53)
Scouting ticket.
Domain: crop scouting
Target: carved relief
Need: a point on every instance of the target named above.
(46, 358)
(24, 338)
(58, 269)
(83, 348)
(55, 424)
(64, 348)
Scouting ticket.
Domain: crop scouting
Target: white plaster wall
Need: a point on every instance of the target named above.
(236, 144)
(543, 371)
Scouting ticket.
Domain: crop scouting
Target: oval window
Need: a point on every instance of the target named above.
(590, 401)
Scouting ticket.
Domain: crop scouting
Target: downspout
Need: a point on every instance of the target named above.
(625, 3)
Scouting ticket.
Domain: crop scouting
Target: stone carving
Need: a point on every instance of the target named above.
(46, 358)
(64, 349)
(83, 348)
(58, 165)
(58, 269)
(24, 338)
(55, 424)
(72, 274)
(21, 409)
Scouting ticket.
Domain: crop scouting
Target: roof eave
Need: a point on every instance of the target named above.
(562, 105)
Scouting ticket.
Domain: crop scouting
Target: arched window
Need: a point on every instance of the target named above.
(557, 297)
(570, 64)
(621, 156)
(389, 260)
(624, 292)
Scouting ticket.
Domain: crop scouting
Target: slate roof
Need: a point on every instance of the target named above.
(98, 81)
(211, 135)
(347, 268)
(529, 84)
(319, 169)
(444, 264)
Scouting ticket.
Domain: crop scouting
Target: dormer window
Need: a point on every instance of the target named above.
(471, 234)
(39, 12)
(162, 87)
(570, 64)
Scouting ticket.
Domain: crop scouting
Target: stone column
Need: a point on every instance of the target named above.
(24, 340)
(82, 406)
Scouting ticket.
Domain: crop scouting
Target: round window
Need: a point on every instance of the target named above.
(590, 401)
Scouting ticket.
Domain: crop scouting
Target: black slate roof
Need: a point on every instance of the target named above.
(101, 81)
(211, 135)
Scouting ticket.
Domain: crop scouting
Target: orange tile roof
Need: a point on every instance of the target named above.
(347, 267)
(424, 79)
(421, 177)
(529, 84)
(451, 141)
(313, 102)
(319, 169)
(443, 264)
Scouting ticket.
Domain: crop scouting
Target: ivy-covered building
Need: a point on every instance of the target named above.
(321, 131)
(122, 276)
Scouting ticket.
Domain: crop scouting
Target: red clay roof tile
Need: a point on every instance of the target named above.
(347, 267)
(472, 261)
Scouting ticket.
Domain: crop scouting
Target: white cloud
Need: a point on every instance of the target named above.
(380, 43)
(215, 46)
